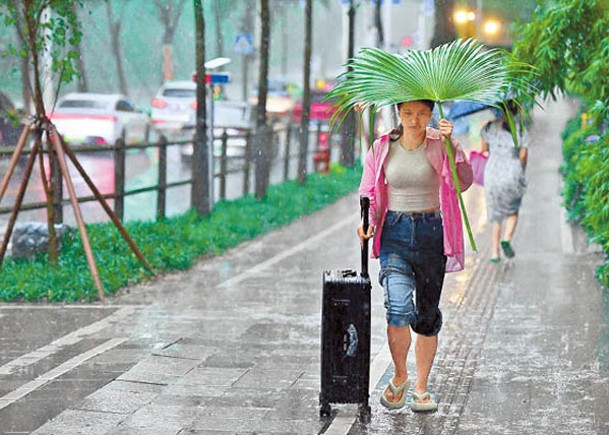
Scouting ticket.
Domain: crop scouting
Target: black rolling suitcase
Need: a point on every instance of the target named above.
(345, 334)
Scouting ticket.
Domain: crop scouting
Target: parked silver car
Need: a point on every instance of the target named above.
(173, 106)
(100, 119)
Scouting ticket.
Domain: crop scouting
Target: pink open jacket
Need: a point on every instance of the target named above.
(374, 186)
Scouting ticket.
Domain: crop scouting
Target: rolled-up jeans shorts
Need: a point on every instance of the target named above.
(413, 263)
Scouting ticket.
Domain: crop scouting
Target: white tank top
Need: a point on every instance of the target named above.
(414, 185)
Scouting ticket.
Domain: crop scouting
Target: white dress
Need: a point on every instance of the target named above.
(504, 179)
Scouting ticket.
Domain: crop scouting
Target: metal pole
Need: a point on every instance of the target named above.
(162, 187)
(247, 162)
(223, 165)
(286, 157)
(212, 170)
(119, 178)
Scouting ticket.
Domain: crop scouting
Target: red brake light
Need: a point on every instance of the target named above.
(158, 103)
(194, 105)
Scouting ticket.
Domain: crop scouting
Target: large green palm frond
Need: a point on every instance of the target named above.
(460, 70)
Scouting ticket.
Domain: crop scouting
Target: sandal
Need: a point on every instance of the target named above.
(507, 249)
(417, 406)
(395, 391)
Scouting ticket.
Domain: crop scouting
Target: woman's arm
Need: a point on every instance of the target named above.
(523, 154)
(484, 147)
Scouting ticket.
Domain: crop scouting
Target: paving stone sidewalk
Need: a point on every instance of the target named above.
(232, 345)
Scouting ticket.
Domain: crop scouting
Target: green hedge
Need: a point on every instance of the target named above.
(171, 244)
(585, 192)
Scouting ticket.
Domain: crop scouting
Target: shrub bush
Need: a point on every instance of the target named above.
(171, 244)
(586, 184)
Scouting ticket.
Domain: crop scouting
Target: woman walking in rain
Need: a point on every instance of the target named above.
(504, 180)
(414, 177)
(417, 232)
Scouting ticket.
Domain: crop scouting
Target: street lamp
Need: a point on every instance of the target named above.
(465, 22)
(491, 27)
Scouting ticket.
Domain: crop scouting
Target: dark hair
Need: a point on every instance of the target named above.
(428, 103)
(512, 106)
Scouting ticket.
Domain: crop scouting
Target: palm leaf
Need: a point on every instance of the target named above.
(460, 70)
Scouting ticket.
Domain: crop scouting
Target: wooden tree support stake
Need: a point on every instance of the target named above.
(61, 158)
(20, 194)
(103, 203)
(14, 160)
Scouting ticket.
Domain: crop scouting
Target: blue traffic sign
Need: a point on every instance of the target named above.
(244, 43)
(217, 78)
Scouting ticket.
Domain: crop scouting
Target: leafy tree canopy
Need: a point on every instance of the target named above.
(567, 41)
(44, 27)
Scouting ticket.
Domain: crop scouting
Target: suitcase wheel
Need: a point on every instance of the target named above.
(364, 413)
(324, 410)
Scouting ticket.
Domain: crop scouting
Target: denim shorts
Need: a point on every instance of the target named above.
(413, 263)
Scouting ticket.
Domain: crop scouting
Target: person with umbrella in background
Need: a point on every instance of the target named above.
(504, 179)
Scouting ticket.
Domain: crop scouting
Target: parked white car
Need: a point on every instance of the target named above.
(100, 119)
(234, 117)
(174, 105)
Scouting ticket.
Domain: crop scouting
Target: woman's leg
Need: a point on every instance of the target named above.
(425, 352)
(399, 345)
(429, 266)
(399, 284)
(495, 239)
(510, 227)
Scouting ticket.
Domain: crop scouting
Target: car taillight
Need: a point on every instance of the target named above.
(97, 140)
(159, 103)
(194, 105)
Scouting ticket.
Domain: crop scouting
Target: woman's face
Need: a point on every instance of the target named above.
(414, 117)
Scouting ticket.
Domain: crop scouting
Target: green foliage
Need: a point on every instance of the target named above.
(586, 184)
(567, 41)
(37, 36)
(171, 244)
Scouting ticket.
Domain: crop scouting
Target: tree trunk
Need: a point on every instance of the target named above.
(115, 29)
(26, 85)
(168, 72)
(169, 18)
(378, 21)
(247, 26)
(219, 34)
(285, 40)
(444, 29)
(262, 155)
(29, 41)
(201, 162)
(82, 78)
(347, 155)
(306, 97)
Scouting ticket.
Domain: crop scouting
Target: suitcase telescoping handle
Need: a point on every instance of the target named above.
(364, 203)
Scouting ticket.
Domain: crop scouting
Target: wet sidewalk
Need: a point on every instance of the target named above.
(232, 346)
